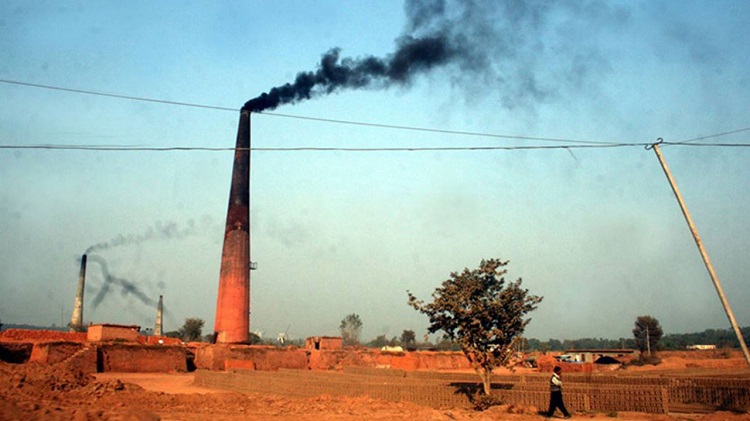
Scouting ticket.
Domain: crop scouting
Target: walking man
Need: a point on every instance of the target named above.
(555, 394)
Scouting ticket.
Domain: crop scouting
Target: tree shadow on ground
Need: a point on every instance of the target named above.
(472, 391)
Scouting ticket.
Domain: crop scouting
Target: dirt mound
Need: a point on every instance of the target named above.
(71, 396)
(40, 381)
(61, 392)
(34, 391)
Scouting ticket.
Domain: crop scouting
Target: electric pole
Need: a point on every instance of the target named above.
(706, 261)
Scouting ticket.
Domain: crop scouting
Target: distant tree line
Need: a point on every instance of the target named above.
(533, 344)
(191, 331)
(722, 338)
(6, 326)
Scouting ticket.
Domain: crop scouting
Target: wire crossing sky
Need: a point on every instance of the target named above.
(343, 219)
(453, 132)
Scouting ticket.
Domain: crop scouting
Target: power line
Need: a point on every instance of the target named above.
(712, 136)
(442, 131)
(345, 149)
(325, 120)
(718, 145)
(310, 148)
(440, 148)
(366, 124)
(110, 95)
(119, 148)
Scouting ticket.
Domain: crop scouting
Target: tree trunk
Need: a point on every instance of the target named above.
(485, 375)
(482, 372)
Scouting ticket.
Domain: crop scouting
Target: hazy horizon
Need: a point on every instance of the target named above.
(433, 337)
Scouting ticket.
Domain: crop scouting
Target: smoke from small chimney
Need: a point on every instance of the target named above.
(160, 231)
(126, 287)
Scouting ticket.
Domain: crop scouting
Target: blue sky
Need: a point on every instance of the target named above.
(597, 232)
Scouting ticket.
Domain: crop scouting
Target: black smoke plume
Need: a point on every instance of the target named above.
(493, 46)
(126, 287)
(422, 47)
(412, 56)
(160, 231)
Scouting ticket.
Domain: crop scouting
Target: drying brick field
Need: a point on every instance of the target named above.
(78, 381)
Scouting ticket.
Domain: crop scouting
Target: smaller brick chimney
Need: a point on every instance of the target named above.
(159, 317)
(76, 319)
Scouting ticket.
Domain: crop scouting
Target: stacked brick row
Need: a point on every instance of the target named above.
(42, 335)
(656, 395)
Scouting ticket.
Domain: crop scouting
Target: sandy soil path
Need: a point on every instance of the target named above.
(171, 383)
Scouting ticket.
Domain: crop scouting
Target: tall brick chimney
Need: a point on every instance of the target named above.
(232, 323)
(76, 319)
(159, 317)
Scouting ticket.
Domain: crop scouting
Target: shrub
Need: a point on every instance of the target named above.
(485, 402)
(645, 359)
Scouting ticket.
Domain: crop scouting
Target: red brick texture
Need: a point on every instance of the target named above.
(42, 335)
(141, 358)
(232, 324)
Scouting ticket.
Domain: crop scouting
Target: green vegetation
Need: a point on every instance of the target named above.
(481, 313)
(351, 328)
(254, 339)
(191, 331)
(382, 341)
(484, 402)
(533, 344)
(647, 333)
(722, 338)
(408, 338)
(644, 359)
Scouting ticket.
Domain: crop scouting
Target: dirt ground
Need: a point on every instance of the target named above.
(56, 392)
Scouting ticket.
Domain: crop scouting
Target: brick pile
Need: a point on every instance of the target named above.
(42, 335)
(583, 392)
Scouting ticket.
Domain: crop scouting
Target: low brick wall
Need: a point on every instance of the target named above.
(423, 360)
(256, 357)
(249, 357)
(141, 358)
(55, 352)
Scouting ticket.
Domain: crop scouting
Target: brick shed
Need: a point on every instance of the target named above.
(110, 332)
(324, 342)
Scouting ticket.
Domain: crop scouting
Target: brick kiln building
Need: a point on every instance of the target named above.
(324, 342)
